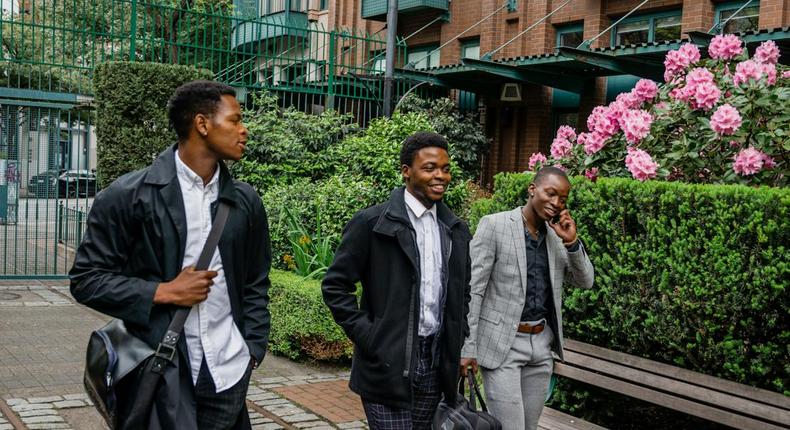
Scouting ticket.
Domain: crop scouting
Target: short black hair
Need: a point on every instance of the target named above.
(192, 98)
(417, 141)
(549, 171)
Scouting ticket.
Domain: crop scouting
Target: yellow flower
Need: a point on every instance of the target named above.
(289, 261)
(304, 240)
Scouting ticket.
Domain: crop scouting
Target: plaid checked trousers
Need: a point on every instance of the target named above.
(426, 398)
(219, 411)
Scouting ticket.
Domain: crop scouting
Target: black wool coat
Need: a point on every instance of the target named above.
(135, 239)
(379, 250)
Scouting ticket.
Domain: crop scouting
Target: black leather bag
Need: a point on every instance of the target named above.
(464, 415)
(114, 354)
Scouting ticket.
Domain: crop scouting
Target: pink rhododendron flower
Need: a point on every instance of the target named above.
(601, 121)
(746, 70)
(682, 94)
(646, 90)
(593, 142)
(636, 125)
(630, 100)
(699, 75)
(560, 148)
(725, 47)
(534, 159)
(591, 174)
(748, 162)
(677, 61)
(706, 95)
(561, 167)
(767, 53)
(769, 70)
(726, 120)
(786, 74)
(662, 106)
(689, 52)
(616, 110)
(768, 162)
(734, 143)
(640, 164)
(566, 132)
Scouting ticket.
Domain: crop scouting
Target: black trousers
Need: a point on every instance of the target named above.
(219, 411)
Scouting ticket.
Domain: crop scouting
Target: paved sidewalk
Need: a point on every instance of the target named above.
(43, 334)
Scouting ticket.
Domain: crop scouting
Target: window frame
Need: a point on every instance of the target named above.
(651, 26)
(567, 28)
(422, 50)
(732, 6)
(470, 43)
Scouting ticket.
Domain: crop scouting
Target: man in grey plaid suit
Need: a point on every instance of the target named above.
(520, 259)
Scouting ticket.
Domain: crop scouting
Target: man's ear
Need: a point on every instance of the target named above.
(201, 124)
(531, 189)
(404, 172)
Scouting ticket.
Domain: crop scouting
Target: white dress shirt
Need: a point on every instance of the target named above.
(430, 246)
(209, 328)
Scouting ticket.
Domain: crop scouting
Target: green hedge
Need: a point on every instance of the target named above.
(302, 325)
(131, 123)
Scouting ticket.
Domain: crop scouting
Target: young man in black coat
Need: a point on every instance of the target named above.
(144, 233)
(411, 255)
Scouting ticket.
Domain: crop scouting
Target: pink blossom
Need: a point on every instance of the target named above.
(746, 70)
(706, 95)
(534, 159)
(768, 162)
(769, 70)
(689, 52)
(767, 53)
(646, 90)
(561, 167)
(616, 110)
(725, 47)
(630, 100)
(591, 174)
(682, 94)
(601, 121)
(662, 106)
(699, 75)
(636, 125)
(726, 120)
(786, 74)
(640, 164)
(560, 148)
(566, 132)
(734, 143)
(593, 142)
(748, 162)
(677, 61)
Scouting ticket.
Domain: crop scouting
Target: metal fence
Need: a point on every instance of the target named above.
(48, 54)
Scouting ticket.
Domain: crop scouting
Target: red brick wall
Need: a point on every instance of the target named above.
(697, 15)
(774, 13)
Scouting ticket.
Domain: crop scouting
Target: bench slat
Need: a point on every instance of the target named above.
(663, 399)
(722, 385)
(679, 388)
(552, 419)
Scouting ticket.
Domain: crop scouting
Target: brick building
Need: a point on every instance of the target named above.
(526, 88)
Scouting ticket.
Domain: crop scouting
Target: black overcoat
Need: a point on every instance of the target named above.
(379, 250)
(135, 239)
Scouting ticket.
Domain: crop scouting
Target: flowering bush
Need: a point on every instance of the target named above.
(724, 119)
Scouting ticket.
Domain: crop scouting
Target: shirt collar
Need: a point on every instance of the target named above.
(192, 178)
(416, 207)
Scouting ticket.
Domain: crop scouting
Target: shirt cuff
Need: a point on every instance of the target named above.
(575, 247)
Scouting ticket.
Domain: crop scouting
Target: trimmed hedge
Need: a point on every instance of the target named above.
(131, 123)
(302, 325)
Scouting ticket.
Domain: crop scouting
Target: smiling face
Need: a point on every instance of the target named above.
(428, 176)
(226, 135)
(548, 197)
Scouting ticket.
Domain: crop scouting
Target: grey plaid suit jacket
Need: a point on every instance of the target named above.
(499, 282)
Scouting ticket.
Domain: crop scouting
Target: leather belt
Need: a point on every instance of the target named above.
(531, 329)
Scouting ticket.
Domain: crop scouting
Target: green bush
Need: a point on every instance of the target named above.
(131, 122)
(690, 275)
(302, 325)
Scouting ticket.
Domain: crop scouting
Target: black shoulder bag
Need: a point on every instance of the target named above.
(463, 414)
(113, 353)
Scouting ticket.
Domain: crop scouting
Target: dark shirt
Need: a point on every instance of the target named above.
(538, 282)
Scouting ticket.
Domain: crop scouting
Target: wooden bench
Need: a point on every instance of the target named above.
(715, 399)
(552, 419)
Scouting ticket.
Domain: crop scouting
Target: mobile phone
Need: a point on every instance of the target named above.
(555, 219)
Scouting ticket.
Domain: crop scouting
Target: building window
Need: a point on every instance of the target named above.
(378, 61)
(421, 60)
(646, 29)
(570, 35)
(746, 20)
(471, 49)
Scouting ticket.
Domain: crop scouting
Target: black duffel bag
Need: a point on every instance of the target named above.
(464, 415)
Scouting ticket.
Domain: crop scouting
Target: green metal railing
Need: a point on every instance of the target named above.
(50, 48)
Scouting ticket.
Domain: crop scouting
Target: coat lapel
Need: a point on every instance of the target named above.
(551, 249)
(517, 233)
(163, 174)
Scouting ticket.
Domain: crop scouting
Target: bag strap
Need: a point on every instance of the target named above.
(166, 350)
(474, 391)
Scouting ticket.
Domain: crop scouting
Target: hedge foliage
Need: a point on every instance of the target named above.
(131, 122)
(301, 323)
(691, 275)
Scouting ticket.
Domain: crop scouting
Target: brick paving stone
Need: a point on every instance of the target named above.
(272, 380)
(14, 402)
(272, 402)
(36, 412)
(285, 410)
(69, 404)
(6, 426)
(267, 426)
(298, 418)
(269, 386)
(44, 399)
(43, 419)
(351, 425)
(262, 396)
(30, 407)
(311, 424)
(81, 396)
(48, 426)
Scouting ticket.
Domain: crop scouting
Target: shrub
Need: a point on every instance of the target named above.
(302, 325)
(690, 275)
(720, 120)
(131, 122)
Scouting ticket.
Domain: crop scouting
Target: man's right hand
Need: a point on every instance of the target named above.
(190, 287)
(466, 363)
